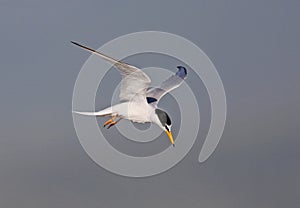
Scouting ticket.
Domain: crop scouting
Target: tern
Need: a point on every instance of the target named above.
(138, 101)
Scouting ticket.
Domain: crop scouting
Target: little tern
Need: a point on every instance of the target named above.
(138, 101)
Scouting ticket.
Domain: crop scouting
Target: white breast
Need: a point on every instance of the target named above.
(134, 111)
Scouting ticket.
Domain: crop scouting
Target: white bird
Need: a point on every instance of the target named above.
(138, 100)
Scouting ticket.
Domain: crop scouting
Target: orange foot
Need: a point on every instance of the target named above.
(113, 123)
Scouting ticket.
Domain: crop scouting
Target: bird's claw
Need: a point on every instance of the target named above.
(111, 122)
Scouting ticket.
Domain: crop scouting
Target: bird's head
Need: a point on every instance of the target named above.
(163, 121)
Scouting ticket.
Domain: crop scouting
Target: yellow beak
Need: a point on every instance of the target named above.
(170, 137)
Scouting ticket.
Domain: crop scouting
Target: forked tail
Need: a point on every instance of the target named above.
(105, 112)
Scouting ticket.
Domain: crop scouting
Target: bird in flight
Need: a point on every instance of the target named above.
(138, 101)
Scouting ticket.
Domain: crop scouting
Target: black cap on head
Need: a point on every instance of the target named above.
(163, 117)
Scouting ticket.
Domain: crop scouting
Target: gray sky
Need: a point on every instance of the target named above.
(255, 48)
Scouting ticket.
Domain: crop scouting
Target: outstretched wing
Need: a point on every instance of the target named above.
(134, 81)
(156, 93)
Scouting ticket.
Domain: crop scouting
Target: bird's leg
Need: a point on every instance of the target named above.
(110, 120)
(114, 123)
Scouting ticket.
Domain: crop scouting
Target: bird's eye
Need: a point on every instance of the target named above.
(167, 128)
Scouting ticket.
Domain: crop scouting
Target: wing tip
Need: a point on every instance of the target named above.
(182, 72)
(82, 46)
(75, 43)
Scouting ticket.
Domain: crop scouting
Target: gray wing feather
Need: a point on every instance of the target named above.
(168, 85)
(134, 81)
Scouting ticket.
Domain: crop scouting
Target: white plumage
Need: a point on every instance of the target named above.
(139, 102)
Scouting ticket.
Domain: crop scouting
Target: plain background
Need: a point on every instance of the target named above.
(255, 48)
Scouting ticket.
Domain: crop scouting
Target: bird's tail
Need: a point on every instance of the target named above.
(105, 112)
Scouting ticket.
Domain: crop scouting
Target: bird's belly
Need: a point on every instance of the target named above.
(136, 112)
